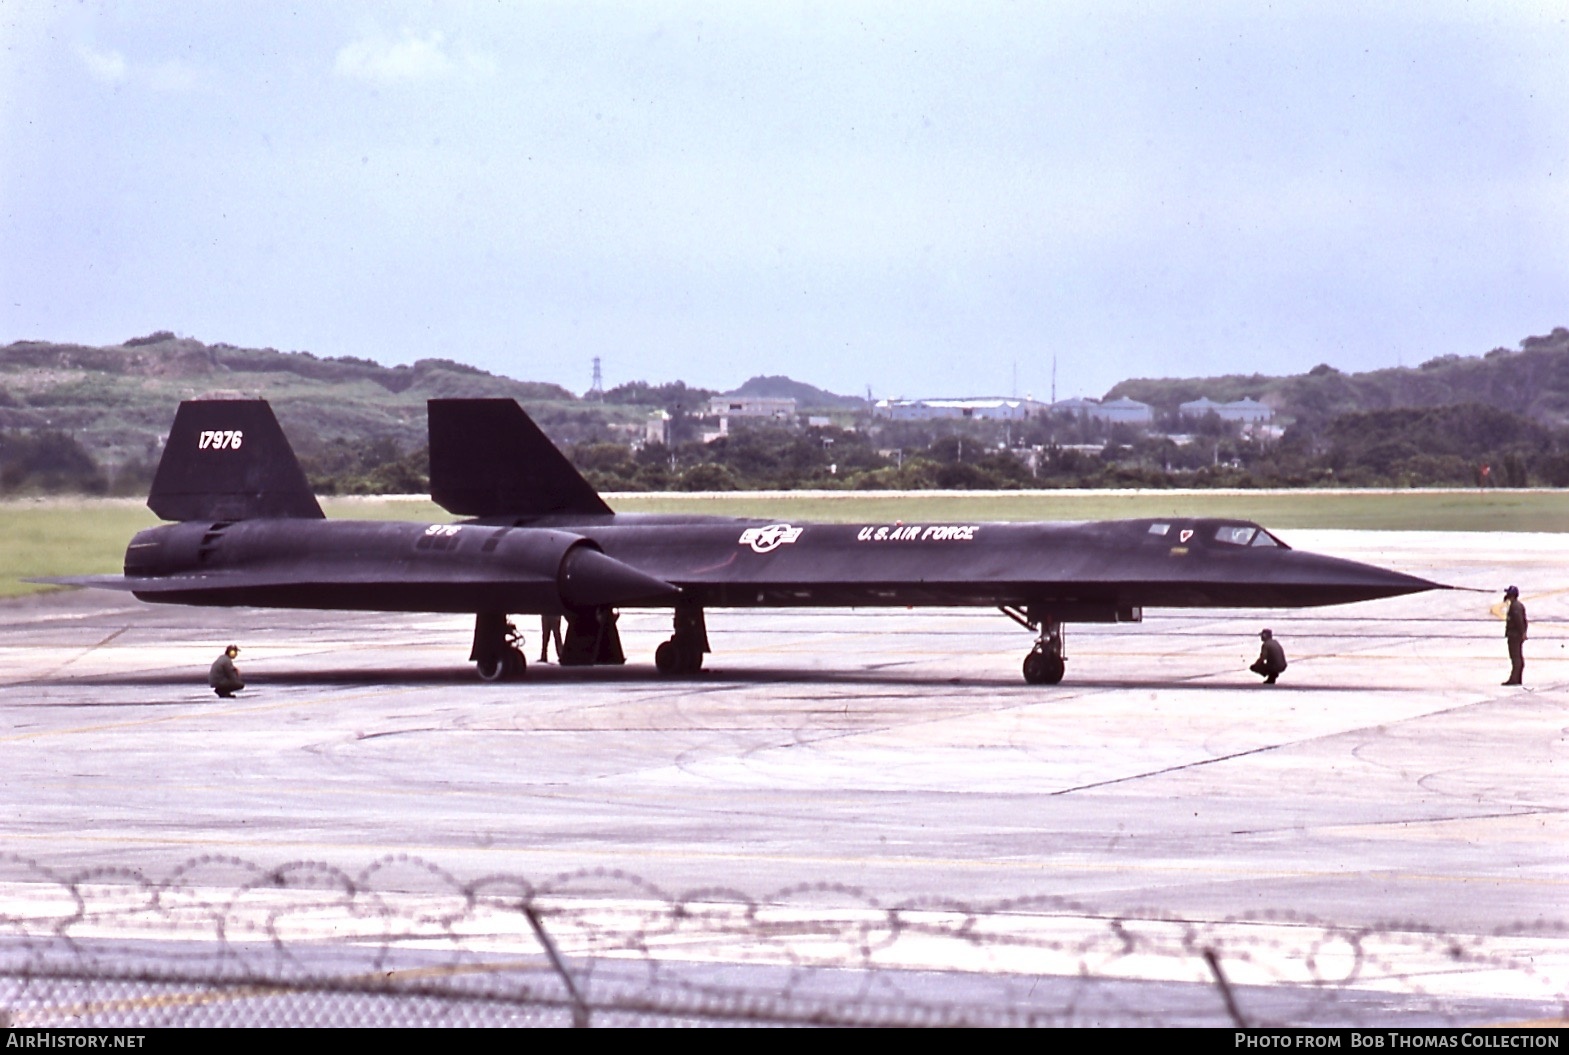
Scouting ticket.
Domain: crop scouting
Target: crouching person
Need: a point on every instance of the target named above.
(224, 676)
(1271, 661)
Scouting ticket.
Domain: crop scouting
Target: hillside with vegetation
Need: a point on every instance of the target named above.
(114, 398)
(1532, 381)
(92, 420)
(61, 403)
(79, 418)
(807, 397)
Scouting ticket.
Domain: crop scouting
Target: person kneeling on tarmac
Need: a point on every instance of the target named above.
(1271, 658)
(224, 676)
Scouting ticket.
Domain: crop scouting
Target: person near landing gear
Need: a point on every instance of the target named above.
(549, 629)
(223, 676)
(1271, 660)
(1514, 633)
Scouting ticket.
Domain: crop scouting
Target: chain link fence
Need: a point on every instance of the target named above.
(220, 941)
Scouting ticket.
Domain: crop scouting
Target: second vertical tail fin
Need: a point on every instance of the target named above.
(488, 458)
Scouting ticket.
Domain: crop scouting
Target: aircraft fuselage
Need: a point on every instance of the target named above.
(1074, 572)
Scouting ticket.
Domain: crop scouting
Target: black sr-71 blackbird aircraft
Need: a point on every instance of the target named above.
(540, 540)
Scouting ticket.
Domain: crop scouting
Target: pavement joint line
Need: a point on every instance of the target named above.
(1531, 811)
(84, 652)
(1424, 715)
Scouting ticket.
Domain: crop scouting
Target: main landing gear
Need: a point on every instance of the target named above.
(1046, 663)
(682, 655)
(592, 640)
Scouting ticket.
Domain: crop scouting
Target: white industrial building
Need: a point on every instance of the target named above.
(776, 407)
(990, 409)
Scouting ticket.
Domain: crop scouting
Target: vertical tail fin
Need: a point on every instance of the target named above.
(487, 458)
(227, 459)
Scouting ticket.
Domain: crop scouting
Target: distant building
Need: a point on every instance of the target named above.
(965, 409)
(1197, 408)
(657, 428)
(780, 409)
(1077, 405)
(1246, 410)
(1250, 410)
(1126, 410)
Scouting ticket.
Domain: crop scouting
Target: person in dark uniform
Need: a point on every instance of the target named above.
(1514, 632)
(1271, 660)
(549, 629)
(224, 676)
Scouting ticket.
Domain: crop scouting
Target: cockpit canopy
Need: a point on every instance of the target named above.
(1238, 533)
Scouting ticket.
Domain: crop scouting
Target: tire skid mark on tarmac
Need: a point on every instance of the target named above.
(205, 713)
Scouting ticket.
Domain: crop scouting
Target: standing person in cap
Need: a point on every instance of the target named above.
(1514, 633)
(1271, 660)
(224, 676)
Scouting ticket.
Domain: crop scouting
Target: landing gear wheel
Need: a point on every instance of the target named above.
(1043, 668)
(665, 660)
(678, 658)
(505, 667)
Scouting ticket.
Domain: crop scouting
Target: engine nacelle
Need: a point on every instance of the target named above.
(383, 566)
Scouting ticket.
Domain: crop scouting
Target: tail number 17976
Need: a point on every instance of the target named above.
(220, 440)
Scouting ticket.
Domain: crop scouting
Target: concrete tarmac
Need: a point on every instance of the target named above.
(1388, 784)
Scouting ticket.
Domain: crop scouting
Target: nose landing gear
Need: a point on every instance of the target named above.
(1046, 663)
(1043, 666)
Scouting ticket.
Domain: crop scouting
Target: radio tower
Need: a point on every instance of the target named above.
(597, 392)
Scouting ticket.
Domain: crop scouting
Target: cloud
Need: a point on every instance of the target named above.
(109, 67)
(410, 59)
(171, 76)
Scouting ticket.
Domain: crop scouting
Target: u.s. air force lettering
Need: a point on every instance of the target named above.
(917, 533)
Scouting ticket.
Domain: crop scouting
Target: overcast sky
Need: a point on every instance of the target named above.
(927, 199)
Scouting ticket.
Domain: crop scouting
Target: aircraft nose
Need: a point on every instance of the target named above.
(589, 579)
(1334, 580)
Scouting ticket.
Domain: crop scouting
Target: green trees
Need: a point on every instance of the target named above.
(1446, 446)
(1439, 446)
(48, 461)
(369, 467)
(1422, 447)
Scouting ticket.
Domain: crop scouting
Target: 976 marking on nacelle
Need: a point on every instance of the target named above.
(220, 439)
